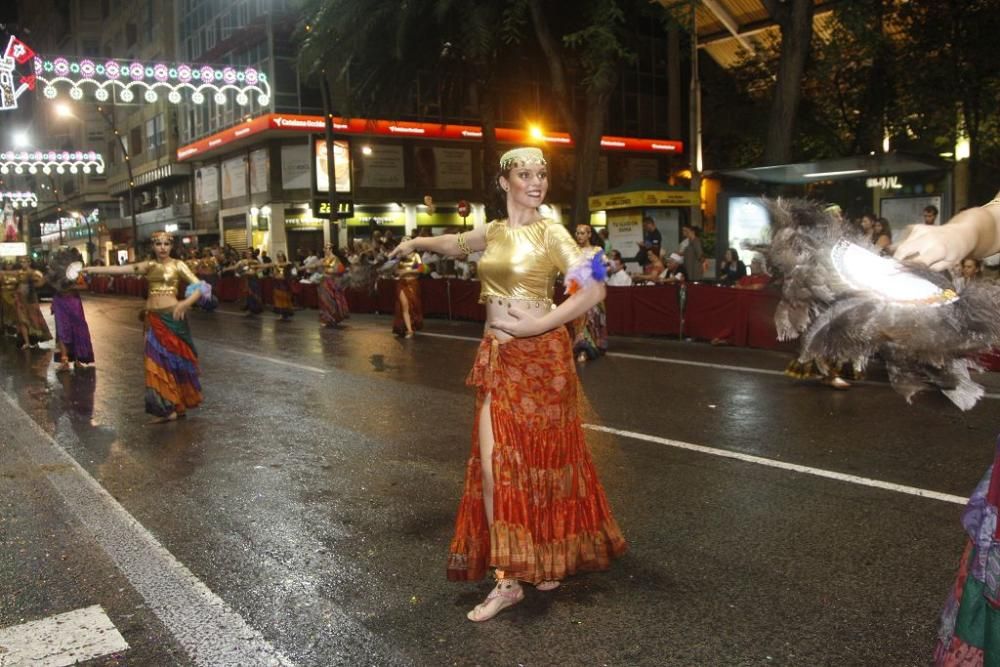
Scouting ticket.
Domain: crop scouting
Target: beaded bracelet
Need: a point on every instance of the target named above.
(463, 244)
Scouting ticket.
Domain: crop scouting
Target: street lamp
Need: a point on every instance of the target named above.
(21, 139)
(63, 110)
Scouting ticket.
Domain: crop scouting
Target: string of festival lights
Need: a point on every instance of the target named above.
(47, 162)
(127, 78)
(19, 199)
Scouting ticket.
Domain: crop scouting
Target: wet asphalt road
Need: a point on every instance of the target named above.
(313, 494)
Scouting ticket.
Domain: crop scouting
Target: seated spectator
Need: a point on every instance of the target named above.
(758, 278)
(882, 236)
(652, 268)
(617, 275)
(969, 270)
(732, 268)
(676, 271)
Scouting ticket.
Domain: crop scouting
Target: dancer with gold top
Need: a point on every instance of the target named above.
(283, 274)
(533, 507)
(28, 318)
(333, 307)
(172, 384)
(248, 271)
(8, 312)
(409, 316)
(590, 330)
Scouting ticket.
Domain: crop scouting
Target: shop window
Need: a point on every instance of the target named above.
(135, 142)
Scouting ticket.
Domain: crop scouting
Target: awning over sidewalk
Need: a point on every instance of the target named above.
(642, 194)
(861, 166)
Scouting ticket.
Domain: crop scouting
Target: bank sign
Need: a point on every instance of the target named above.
(13, 85)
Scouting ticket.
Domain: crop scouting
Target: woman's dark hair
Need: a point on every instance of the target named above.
(735, 255)
(498, 207)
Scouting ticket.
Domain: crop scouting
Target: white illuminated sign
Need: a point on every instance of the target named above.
(13, 249)
(884, 182)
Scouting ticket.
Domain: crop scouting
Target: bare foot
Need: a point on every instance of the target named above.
(507, 593)
(547, 585)
(163, 420)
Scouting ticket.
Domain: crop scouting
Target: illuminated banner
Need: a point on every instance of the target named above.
(126, 78)
(12, 86)
(13, 249)
(361, 126)
(644, 198)
(49, 161)
(341, 166)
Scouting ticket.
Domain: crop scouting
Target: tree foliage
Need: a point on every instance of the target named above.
(919, 72)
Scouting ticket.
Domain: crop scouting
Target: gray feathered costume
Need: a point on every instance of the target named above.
(847, 304)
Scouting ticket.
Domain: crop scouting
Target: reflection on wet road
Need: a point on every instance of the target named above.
(310, 500)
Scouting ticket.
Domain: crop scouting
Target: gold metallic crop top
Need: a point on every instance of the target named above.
(522, 263)
(331, 265)
(409, 265)
(164, 278)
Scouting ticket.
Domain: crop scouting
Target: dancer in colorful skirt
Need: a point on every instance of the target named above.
(532, 508)
(72, 332)
(332, 299)
(969, 634)
(29, 321)
(409, 316)
(282, 294)
(172, 385)
(590, 330)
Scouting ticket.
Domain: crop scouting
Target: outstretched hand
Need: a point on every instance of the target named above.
(939, 247)
(517, 323)
(403, 249)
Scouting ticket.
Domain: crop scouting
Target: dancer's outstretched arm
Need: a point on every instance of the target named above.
(446, 244)
(974, 232)
(123, 270)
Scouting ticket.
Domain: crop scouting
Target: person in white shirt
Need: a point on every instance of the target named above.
(617, 275)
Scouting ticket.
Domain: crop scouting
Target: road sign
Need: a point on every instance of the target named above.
(463, 208)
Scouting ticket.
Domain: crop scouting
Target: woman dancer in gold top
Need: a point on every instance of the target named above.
(409, 309)
(533, 507)
(332, 300)
(590, 330)
(172, 384)
(30, 323)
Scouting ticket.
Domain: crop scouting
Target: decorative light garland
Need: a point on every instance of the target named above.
(20, 199)
(48, 161)
(149, 79)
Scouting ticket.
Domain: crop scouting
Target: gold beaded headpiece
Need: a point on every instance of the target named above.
(521, 157)
(162, 235)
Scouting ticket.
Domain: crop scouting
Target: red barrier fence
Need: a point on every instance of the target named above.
(739, 317)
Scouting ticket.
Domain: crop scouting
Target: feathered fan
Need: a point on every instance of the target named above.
(849, 304)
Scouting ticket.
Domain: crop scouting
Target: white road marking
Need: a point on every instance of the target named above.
(686, 362)
(260, 357)
(794, 467)
(699, 364)
(60, 640)
(206, 627)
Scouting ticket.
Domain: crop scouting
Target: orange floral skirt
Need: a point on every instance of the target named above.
(551, 518)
